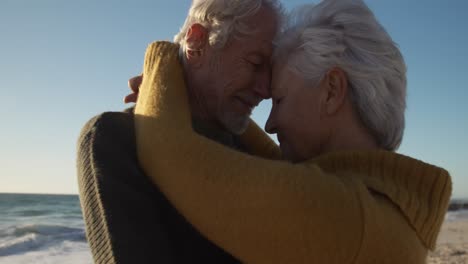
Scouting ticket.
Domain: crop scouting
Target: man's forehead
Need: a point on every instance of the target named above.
(264, 27)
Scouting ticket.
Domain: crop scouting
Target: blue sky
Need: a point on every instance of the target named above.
(62, 62)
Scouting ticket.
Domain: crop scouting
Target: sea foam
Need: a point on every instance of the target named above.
(42, 229)
(33, 237)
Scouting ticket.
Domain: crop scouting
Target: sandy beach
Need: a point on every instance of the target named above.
(452, 244)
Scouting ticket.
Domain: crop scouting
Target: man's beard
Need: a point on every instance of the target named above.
(235, 122)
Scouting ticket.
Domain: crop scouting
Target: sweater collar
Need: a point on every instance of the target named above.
(421, 191)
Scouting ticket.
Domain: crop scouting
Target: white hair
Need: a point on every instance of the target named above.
(224, 18)
(346, 34)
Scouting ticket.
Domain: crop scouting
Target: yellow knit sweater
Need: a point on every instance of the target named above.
(348, 207)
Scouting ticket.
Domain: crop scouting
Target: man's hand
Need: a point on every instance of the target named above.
(134, 84)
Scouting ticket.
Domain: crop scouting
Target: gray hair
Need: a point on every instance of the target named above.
(224, 18)
(346, 34)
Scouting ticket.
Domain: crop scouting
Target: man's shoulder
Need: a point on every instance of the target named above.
(108, 130)
(106, 147)
(108, 121)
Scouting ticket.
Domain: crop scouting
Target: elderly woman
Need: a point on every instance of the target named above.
(338, 108)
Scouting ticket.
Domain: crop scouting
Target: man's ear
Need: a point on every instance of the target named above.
(196, 41)
(336, 89)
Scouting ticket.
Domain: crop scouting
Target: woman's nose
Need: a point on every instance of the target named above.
(270, 126)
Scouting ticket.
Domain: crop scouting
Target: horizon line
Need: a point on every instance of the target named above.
(39, 193)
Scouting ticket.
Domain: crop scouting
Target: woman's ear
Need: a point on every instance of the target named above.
(196, 41)
(336, 89)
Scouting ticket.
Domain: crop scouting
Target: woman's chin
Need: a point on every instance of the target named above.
(287, 154)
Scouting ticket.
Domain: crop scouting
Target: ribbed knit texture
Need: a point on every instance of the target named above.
(129, 220)
(91, 202)
(420, 190)
(332, 209)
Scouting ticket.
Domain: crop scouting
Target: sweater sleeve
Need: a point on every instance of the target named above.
(259, 143)
(260, 210)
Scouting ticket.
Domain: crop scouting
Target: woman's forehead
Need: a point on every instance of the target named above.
(282, 78)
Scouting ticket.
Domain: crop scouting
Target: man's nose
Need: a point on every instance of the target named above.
(262, 87)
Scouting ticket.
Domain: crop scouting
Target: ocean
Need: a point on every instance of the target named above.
(42, 229)
(49, 229)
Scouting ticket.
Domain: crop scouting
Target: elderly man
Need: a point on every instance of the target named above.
(225, 48)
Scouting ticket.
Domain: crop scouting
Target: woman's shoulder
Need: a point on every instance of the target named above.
(404, 200)
(388, 235)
